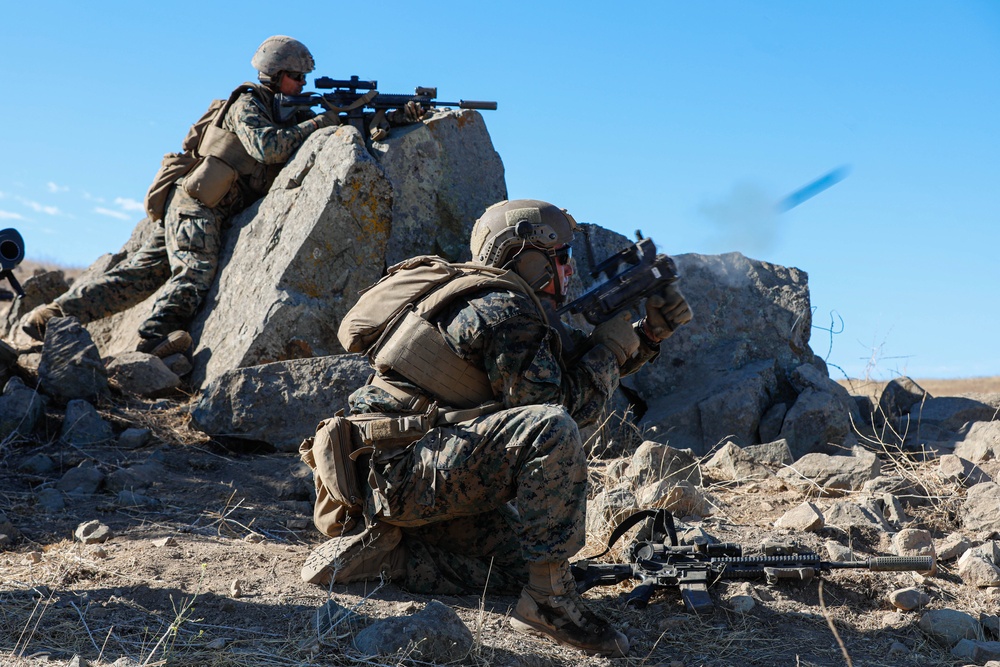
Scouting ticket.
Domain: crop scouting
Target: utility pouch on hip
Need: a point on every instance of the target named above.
(174, 166)
(210, 181)
(339, 494)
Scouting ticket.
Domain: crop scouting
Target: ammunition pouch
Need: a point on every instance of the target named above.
(173, 167)
(210, 181)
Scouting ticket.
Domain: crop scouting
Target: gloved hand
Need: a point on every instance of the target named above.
(326, 119)
(411, 112)
(665, 312)
(618, 336)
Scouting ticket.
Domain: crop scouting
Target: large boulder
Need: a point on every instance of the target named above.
(292, 268)
(278, 403)
(71, 366)
(444, 173)
(751, 329)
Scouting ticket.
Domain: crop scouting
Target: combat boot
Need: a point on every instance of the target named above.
(551, 607)
(365, 553)
(34, 322)
(164, 346)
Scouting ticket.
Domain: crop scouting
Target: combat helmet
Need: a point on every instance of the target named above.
(282, 54)
(522, 234)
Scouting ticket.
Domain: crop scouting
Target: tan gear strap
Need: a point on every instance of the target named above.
(356, 104)
(411, 401)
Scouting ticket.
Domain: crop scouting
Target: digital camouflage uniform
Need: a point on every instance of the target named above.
(452, 491)
(184, 250)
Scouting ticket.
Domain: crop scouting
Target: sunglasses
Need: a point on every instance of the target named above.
(563, 254)
(296, 76)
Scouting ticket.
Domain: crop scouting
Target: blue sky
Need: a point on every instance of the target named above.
(686, 120)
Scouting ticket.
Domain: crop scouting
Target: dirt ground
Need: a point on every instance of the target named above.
(225, 588)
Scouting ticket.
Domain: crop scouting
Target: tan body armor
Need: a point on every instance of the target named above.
(392, 323)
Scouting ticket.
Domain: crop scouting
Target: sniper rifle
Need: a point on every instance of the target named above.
(351, 97)
(660, 562)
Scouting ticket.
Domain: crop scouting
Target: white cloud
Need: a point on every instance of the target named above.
(129, 204)
(112, 213)
(53, 188)
(7, 215)
(90, 197)
(39, 208)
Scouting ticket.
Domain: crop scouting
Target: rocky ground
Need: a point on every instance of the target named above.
(197, 549)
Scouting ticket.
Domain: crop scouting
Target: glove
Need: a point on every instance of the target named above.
(413, 112)
(326, 119)
(618, 336)
(665, 312)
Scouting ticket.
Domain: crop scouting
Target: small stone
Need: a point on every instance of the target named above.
(37, 464)
(165, 542)
(254, 538)
(952, 546)
(217, 644)
(329, 616)
(898, 649)
(742, 603)
(92, 532)
(963, 649)
(805, 517)
(33, 557)
(6, 541)
(298, 524)
(134, 438)
(236, 588)
(838, 552)
(50, 500)
(82, 480)
(178, 363)
(132, 499)
(908, 599)
(97, 552)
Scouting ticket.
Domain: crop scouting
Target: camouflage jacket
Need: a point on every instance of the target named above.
(503, 334)
(252, 118)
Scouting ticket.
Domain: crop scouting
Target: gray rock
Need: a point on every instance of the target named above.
(330, 615)
(20, 409)
(83, 425)
(71, 366)
(979, 565)
(893, 510)
(37, 464)
(50, 500)
(143, 374)
(805, 517)
(82, 480)
(846, 514)
(898, 396)
(816, 422)
(956, 469)
(951, 413)
(654, 462)
(178, 364)
(608, 508)
(732, 413)
(732, 463)
(137, 477)
(283, 288)
(908, 599)
(952, 546)
(742, 604)
(712, 354)
(913, 542)
(838, 552)
(771, 421)
(92, 532)
(6, 527)
(834, 475)
(134, 438)
(774, 453)
(680, 497)
(983, 651)
(947, 626)
(38, 289)
(981, 442)
(444, 174)
(906, 490)
(434, 634)
(963, 649)
(979, 511)
(279, 403)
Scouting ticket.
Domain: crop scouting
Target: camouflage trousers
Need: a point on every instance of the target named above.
(183, 254)
(479, 500)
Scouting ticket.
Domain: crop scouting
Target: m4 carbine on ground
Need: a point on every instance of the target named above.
(660, 562)
(351, 97)
(631, 275)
